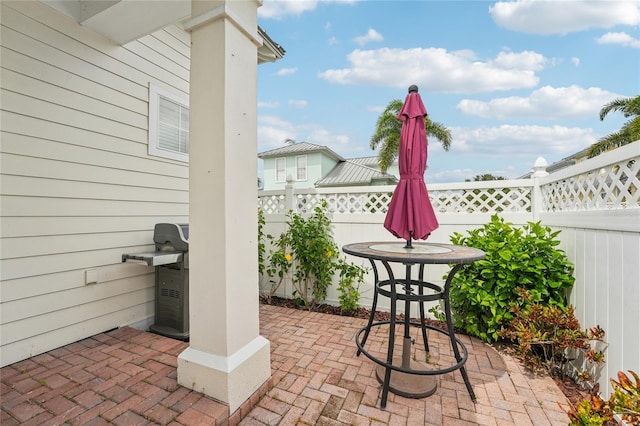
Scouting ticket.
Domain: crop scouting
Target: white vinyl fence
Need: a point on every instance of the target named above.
(595, 204)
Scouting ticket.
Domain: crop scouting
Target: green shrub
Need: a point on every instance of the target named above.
(483, 293)
(624, 401)
(314, 253)
(262, 246)
(307, 254)
(351, 275)
(591, 411)
(549, 336)
(273, 266)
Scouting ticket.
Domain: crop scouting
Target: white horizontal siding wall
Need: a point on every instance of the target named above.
(78, 188)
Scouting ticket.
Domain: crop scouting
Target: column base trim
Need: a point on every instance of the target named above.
(232, 379)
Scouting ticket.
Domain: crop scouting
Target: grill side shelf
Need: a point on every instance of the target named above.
(154, 258)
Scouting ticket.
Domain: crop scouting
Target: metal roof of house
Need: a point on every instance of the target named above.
(349, 172)
(300, 148)
(365, 161)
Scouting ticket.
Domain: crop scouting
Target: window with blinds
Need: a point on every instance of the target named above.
(168, 124)
(173, 131)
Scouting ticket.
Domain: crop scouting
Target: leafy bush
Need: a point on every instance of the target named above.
(351, 275)
(307, 254)
(549, 337)
(274, 265)
(314, 253)
(262, 246)
(543, 334)
(624, 401)
(589, 412)
(483, 293)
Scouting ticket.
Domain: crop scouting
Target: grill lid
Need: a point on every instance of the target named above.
(171, 236)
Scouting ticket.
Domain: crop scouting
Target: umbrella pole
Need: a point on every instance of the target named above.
(406, 343)
(409, 245)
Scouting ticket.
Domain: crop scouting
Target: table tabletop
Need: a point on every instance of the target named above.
(425, 253)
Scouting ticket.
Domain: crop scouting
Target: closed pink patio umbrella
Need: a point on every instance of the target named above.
(410, 215)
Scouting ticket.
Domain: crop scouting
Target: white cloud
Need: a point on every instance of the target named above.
(278, 9)
(298, 103)
(520, 141)
(460, 175)
(575, 61)
(286, 71)
(273, 130)
(463, 174)
(371, 35)
(524, 60)
(438, 70)
(332, 41)
(264, 104)
(452, 175)
(622, 39)
(321, 136)
(562, 17)
(547, 102)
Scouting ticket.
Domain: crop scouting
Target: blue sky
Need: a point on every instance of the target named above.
(512, 80)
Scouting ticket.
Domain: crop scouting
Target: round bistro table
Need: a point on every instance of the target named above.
(401, 375)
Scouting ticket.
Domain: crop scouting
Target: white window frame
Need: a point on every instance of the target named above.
(156, 94)
(284, 174)
(298, 159)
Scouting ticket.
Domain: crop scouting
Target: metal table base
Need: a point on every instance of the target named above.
(401, 375)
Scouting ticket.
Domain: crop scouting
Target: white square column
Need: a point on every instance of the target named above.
(227, 358)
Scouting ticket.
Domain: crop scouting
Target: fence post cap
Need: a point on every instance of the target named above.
(540, 168)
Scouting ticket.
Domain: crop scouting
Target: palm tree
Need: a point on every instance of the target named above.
(630, 131)
(387, 134)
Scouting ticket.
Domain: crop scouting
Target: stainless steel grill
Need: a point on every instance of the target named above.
(171, 260)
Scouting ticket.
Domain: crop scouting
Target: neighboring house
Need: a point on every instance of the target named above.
(95, 151)
(309, 165)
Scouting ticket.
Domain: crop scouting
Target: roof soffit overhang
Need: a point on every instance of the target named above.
(124, 21)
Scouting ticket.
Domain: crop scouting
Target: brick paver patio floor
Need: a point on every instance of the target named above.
(128, 377)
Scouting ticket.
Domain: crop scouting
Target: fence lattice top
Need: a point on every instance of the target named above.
(610, 181)
(612, 187)
(472, 200)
